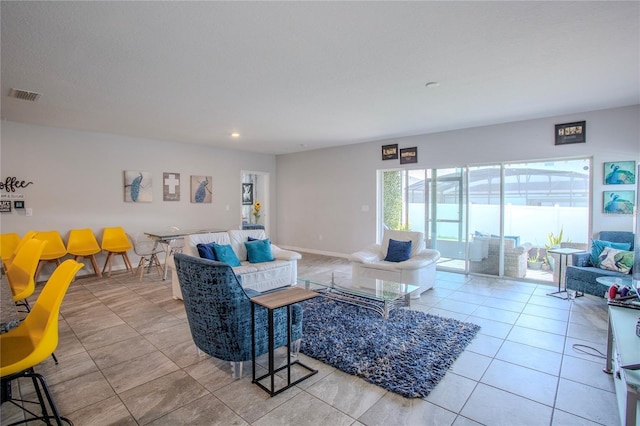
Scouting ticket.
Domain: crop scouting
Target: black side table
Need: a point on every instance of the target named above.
(564, 253)
(273, 301)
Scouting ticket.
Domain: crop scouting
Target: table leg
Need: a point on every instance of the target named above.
(609, 361)
(560, 291)
(272, 372)
(253, 343)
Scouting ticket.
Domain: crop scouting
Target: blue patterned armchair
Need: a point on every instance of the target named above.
(219, 313)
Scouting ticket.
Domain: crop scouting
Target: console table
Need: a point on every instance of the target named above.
(623, 361)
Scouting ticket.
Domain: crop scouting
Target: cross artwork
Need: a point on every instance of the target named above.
(171, 186)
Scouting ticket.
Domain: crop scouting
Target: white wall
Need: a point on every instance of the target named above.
(321, 194)
(78, 181)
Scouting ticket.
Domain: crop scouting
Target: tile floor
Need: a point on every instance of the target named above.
(126, 358)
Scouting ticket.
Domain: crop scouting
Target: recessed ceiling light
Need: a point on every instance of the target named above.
(235, 135)
(432, 84)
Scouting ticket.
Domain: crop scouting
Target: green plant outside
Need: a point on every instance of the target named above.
(392, 209)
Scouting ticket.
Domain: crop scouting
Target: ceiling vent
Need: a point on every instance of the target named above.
(24, 95)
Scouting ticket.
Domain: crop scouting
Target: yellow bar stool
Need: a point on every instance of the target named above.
(115, 242)
(53, 252)
(8, 244)
(26, 237)
(82, 243)
(21, 272)
(33, 341)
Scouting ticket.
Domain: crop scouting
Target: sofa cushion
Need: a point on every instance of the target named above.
(616, 260)
(238, 237)
(259, 251)
(398, 251)
(597, 247)
(206, 251)
(225, 254)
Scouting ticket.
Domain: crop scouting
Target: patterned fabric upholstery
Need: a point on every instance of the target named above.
(219, 311)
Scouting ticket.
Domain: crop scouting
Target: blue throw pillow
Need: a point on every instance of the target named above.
(225, 254)
(598, 246)
(398, 251)
(206, 251)
(259, 251)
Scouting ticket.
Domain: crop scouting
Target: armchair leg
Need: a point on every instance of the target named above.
(295, 347)
(236, 370)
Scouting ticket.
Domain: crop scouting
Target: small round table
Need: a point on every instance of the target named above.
(609, 281)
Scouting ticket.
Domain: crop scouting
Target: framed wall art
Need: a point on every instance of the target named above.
(247, 194)
(618, 202)
(409, 155)
(170, 186)
(137, 186)
(201, 189)
(390, 152)
(5, 206)
(619, 172)
(571, 133)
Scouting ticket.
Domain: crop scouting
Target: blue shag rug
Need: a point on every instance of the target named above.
(407, 354)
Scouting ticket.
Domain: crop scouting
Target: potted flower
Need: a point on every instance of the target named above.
(256, 210)
(535, 261)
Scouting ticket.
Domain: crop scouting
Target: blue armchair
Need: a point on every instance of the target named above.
(581, 275)
(219, 313)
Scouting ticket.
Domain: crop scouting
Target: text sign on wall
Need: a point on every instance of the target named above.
(12, 183)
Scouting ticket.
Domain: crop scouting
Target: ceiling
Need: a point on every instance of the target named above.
(296, 76)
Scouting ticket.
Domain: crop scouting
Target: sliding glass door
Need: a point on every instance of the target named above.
(495, 219)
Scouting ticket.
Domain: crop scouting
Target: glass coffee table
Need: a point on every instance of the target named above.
(378, 295)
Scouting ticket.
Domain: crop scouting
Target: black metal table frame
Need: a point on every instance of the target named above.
(560, 291)
(272, 370)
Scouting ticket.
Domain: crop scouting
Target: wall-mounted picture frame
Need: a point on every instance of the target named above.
(138, 186)
(390, 152)
(18, 204)
(619, 173)
(571, 133)
(201, 189)
(247, 194)
(5, 206)
(409, 155)
(618, 202)
(170, 186)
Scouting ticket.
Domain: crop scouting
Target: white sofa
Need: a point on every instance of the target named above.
(419, 270)
(281, 272)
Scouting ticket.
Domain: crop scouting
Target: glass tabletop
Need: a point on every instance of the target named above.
(370, 288)
(609, 281)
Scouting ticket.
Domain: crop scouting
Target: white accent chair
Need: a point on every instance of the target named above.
(419, 270)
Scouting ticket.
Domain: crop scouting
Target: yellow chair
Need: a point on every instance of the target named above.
(26, 237)
(115, 241)
(34, 340)
(53, 252)
(8, 244)
(82, 243)
(21, 272)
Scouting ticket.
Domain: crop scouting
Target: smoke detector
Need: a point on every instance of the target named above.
(25, 95)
